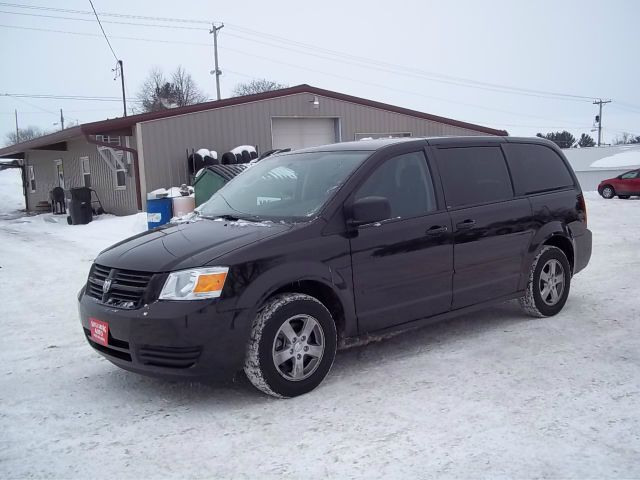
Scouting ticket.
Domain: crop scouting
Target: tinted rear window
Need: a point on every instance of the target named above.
(536, 168)
(473, 175)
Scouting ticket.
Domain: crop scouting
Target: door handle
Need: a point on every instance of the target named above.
(466, 224)
(437, 230)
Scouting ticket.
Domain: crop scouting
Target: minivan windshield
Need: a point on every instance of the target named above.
(292, 187)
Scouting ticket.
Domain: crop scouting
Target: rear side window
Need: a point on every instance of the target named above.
(536, 168)
(473, 175)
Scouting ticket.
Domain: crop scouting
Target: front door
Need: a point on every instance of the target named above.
(59, 173)
(492, 230)
(629, 183)
(402, 267)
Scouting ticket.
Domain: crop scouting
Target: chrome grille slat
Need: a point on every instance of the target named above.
(127, 286)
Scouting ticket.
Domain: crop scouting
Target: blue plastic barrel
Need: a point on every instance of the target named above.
(159, 212)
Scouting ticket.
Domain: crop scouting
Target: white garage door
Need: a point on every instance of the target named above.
(302, 132)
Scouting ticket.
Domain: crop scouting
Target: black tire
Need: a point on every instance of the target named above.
(624, 197)
(608, 192)
(532, 302)
(268, 340)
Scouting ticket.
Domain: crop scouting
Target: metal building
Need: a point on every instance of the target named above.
(124, 158)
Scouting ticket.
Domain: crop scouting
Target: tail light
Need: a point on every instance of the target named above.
(582, 209)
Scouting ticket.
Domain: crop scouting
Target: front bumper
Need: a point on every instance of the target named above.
(171, 339)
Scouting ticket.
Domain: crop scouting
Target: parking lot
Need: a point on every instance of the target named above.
(491, 394)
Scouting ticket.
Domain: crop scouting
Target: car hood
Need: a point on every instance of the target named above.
(185, 245)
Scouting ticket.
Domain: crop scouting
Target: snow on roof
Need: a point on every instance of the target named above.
(616, 157)
(630, 158)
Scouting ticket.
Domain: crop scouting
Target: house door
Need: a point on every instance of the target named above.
(59, 173)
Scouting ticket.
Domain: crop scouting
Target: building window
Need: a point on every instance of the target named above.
(373, 136)
(109, 139)
(32, 178)
(86, 171)
(121, 179)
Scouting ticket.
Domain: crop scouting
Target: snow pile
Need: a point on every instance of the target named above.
(103, 231)
(241, 148)
(168, 192)
(11, 196)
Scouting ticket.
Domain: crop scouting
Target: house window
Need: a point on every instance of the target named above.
(121, 179)
(86, 172)
(109, 139)
(32, 178)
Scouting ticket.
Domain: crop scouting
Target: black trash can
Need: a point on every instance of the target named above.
(80, 212)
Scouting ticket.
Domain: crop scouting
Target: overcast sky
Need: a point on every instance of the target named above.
(402, 52)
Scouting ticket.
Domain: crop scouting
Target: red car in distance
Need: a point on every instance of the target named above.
(624, 186)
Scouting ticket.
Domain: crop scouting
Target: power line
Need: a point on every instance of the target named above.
(66, 97)
(368, 62)
(322, 72)
(103, 32)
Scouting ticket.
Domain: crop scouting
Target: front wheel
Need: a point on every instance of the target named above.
(548, 285)
(292, 347)
(608, 192)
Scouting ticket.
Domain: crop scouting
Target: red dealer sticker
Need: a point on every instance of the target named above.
(99, 331)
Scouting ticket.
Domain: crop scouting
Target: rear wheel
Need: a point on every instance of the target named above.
(292, 346)
(608, 192)
(548, 285)
(624, 197)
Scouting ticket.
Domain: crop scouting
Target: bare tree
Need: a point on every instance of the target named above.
(157, 93)
(626, 137)
(256, 86)
(24, 134)
(186, 90)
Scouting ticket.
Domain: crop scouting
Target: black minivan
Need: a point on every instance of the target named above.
(314, 249)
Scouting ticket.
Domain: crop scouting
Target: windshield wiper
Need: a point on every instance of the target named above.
(234, 218)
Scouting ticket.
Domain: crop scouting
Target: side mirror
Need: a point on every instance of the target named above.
(368, 210)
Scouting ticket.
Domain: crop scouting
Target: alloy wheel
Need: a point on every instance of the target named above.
(551, 283)
(298, 347)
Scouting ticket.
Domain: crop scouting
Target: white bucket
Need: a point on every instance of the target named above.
(183, 205)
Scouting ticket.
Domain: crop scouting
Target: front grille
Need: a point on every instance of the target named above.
(126, 289)
(169, 357)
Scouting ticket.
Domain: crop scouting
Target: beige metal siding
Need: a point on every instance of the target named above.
(166, 140)
(119, 202)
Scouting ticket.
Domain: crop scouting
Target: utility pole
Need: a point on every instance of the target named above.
(600, 102)
(17, 129)
(124, 99)
(61, 120)
(217, 72)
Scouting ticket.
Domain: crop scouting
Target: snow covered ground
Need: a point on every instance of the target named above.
(11, 198)
(495, 394)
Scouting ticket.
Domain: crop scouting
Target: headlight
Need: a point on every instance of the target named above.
(194, 284)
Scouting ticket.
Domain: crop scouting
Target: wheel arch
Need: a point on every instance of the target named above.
(317, 280)
(564, 244)
(322, 292)
(553, 234)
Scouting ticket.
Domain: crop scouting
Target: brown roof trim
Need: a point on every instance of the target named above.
(124, 123)
(41, 142)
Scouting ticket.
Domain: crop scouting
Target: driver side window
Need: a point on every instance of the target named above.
(406, 182)
(629, 175)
